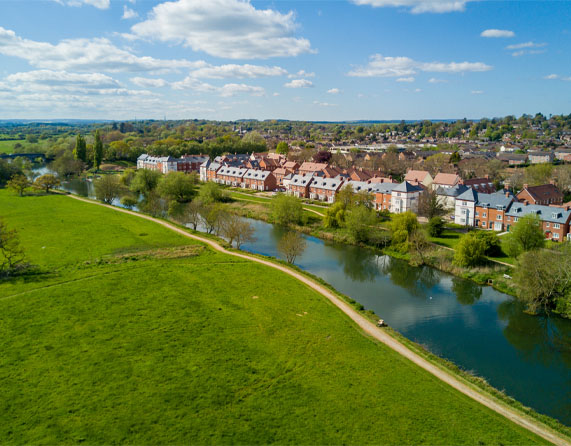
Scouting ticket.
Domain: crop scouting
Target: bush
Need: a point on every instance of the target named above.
(492, 243)
(526, 235)
(435, 226)
(470, 251)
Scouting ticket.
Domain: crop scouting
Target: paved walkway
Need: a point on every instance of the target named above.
(375, 332)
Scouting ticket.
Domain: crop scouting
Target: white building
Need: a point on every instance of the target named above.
(404, 197)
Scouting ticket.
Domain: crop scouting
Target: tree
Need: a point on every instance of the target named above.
(429, 205)
(282, 148)
(543, 279)
(11, 253)
(108, 188)
(177, 186)
(291, 245)
(212, 193)
(435, 226)
(66, 166)
(334, 215)
(359, 221)
(191, 214)
(286, 210)
(7, 171)
(323, 156)
(80, 151)
(418, 244)
(47, 181)
(237, 230)
(145, 181)
(97, 151)
(402, 227)
(211, 216)
(454, 158)
(19, 183)
(526, 235)
(470, 251)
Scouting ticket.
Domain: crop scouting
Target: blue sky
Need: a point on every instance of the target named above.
(305, 60)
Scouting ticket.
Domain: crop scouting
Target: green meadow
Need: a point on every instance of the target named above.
(134, 334)
(8, 146)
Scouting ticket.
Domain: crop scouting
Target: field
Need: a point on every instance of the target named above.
(8, 146)
(185, 345)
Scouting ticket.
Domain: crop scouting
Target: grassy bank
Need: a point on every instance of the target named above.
(169, 345)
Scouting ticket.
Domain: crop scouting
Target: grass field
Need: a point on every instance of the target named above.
(8, 146)
(199, 348)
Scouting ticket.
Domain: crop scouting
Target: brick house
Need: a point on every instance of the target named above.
(382, 195)
(538, 157)
(545, 194)
(212, 171)
(231, 176)
(191, 163)
(446, 180)
(483, 185)
(308, 168)
(325, 189)
(291, 165)
(555, 220)
(259, 180)
(299, 185)
(490, 212)
(513, 159)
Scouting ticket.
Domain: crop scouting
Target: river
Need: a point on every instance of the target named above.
(477, 328)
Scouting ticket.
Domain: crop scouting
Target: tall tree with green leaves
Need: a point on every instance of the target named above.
(97, 150)
(526, 235)
(80, 151)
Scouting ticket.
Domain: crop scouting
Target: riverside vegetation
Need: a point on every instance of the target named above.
(126, 333)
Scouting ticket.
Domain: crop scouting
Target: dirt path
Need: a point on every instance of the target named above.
(377, 333)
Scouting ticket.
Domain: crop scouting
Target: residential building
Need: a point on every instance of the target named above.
(465, 206)
(545, 194)
(311, 168)
(483, 185)
(540, 157)
(490, 212)
(299, 185)
(259, 180)
(382, 195)
(231, 176)
(555, 220)
(513, 159)
(325, 189)
(212, 170)
(404, 197)
(419, 177)
(447, 195)
(445, 180)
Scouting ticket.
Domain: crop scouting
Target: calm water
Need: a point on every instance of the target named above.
(477, 328)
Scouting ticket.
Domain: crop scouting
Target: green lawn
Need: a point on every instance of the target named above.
(196, 350)
(448, 238)
(8, 146)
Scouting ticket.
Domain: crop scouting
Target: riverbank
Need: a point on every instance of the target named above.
(139, 346)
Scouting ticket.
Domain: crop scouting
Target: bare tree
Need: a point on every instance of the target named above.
(237, 230)
(191, 214)
(291, 245)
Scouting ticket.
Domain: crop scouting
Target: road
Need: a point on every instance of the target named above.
(373, 331)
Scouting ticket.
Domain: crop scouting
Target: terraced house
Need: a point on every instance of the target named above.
(298, 186)
(555, 220)
(325, 189)
(259, 180)
(231, 176)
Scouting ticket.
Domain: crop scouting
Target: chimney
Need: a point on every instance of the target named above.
(525, 186)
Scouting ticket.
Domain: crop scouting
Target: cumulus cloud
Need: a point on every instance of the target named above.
(100, 4)
(233, 29)
(84, 55)
(190, 83)
(434, 80)
(301, 73)
(405, 79)
(419, 6)
(299, 83)
(148, 83)
(237, 71)
(497, 33)
(333, 91)
(405, 67)
(129, 13)
(556, 76)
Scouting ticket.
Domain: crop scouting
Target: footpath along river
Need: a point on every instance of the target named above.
(477, 328)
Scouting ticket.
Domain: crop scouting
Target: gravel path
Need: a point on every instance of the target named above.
(375, 332)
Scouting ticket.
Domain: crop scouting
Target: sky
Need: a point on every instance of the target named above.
(316, 60)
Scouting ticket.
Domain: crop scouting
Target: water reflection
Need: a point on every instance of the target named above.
(467, 292)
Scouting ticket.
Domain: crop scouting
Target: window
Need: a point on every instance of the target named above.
(547, 225)
(484, 214)
(477, 213)
(556, 235)
(556, 225)
(464, 203)
(516, 219)
(499, 217)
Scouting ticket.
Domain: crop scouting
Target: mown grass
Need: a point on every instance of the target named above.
(8, 146)
(200, 349)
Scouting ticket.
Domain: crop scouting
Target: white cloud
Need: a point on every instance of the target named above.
(301, 73)
(148, 83)
(129, 13)
(405, 79)
(519, 46)
(233, 29)
(190, 83)
(83, 55)
(100, 4)
(556, 76)
(324, 104)
(237, 71)
(334, 91)
(477, 92)
(433, 80)
(418, 90)
(419, 6)
(299, 83)
(380, 66)
(497, 33)
(552, 76)
(47, 80)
